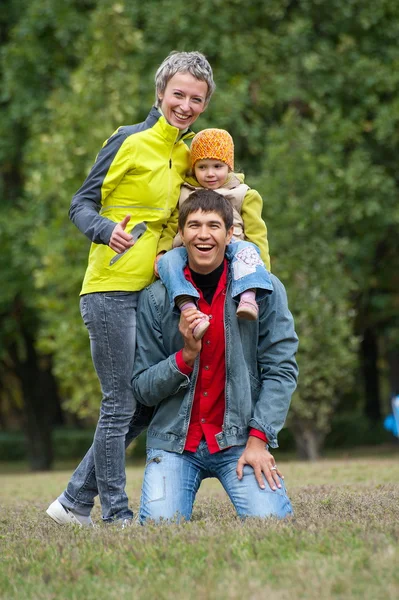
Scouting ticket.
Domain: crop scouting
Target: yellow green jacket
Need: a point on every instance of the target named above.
(139, 171)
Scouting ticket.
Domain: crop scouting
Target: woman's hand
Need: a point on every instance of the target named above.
(121, 240)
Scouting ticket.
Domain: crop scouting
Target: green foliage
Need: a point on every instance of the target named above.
(12, 446)
(96, 104)
(351, 430)
(36, 56)
(300, 208)
(69, 444)
(348, 430)
(308, 91)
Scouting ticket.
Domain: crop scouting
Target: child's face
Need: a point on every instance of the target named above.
(211, 173)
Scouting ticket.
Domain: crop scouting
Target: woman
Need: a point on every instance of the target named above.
(135, 181)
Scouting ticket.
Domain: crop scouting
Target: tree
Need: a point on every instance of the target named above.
(308, 256)
(35, 60)
(308, 91)
(96, 100)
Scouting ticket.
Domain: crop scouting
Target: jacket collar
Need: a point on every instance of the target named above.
(168, 132)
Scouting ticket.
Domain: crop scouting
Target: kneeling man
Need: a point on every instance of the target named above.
(219, 402)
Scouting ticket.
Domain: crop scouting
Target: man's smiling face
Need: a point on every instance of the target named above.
(205, 238)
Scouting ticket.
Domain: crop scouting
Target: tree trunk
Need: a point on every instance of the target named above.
(369, 352)
(39, 404)
(393, 362)
(308, 443)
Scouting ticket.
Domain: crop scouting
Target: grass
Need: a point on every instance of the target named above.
(343, 542)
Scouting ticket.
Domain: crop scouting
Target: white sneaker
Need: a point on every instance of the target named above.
(65, 516)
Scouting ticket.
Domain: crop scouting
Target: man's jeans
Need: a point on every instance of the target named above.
(248, 271)
(171, 481)
(110, 318)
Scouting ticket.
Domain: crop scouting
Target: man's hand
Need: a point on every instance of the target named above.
(260, 459)
(157, 258)
(188, 320)
(121, 240)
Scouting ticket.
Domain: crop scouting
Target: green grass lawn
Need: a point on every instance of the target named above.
(343, 541)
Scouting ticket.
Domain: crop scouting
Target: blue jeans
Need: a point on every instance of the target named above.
(248, 270)
(171, 481)
(110, 318)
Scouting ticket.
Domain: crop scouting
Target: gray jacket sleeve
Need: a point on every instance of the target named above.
(86, 203)
(155, 375)
(277, 346)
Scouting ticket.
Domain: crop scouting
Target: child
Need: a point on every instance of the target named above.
(212, 163)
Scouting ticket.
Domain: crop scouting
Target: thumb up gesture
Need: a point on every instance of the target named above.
(121, 240)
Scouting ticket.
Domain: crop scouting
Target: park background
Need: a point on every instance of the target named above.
(309, 92)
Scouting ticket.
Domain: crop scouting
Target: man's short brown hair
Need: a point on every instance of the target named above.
(207, 201)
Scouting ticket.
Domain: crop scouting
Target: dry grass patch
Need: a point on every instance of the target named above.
(342, 543)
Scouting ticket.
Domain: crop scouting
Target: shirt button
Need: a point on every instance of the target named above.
(210, 317)
(203, 420)
(205, 393)
(206, 368)
(207, 342)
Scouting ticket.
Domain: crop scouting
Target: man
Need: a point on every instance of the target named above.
(219, 402)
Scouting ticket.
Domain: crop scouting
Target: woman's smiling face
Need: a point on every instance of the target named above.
(183, 100)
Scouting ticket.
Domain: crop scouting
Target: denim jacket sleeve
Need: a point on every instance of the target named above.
(277, 345)
(156, 375)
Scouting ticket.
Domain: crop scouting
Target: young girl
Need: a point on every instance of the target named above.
(212, 164)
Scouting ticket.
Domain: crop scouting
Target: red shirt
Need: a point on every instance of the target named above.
(208, 408)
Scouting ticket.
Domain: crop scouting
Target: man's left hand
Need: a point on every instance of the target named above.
(188, 320)
(256, 456)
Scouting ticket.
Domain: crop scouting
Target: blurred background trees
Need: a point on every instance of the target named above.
(309, 92)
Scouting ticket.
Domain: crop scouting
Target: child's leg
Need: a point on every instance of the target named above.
(249, 275)
(186, 302)
(171, 272)
(181, 292)
(248, 308)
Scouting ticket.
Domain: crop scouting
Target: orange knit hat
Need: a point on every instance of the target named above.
(213, 143)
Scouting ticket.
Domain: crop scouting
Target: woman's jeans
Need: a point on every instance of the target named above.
(171, 482)
(248, 271)
(110, 318)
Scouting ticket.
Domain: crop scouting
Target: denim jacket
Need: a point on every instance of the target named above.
(261, 371)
